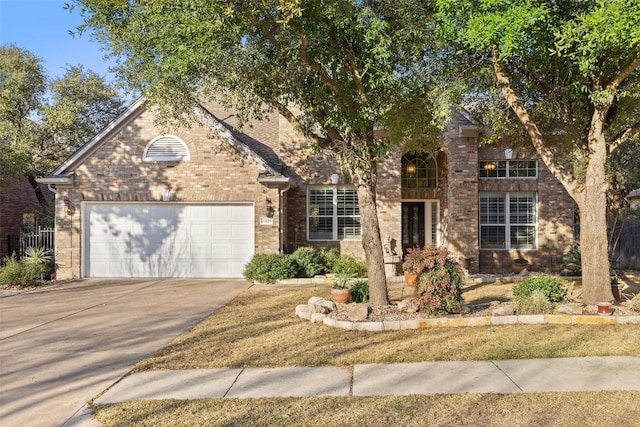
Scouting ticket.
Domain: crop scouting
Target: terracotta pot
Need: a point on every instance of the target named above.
(604, 308)
(340, 296)
(410, 278)
(519, 265)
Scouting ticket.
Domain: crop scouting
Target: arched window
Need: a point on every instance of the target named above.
(166, 148)
(419, 171)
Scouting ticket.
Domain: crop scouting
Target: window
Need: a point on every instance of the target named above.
(333, 213)
(508, 221)
(419, 171)
(509, 169)
(166, 148)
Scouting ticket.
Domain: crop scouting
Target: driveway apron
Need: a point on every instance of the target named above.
(62, 345)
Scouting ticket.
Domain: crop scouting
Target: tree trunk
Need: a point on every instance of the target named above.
(372, 244)
(592, 202)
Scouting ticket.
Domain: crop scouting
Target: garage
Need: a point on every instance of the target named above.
(167, 239)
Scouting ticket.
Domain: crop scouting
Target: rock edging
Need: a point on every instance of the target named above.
(317, 310)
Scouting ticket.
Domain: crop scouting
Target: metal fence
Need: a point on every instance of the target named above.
(40, 238)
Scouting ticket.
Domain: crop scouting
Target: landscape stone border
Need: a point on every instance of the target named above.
(305, 311)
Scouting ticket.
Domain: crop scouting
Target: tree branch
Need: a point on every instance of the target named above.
(627, 134)
(613, 86)
(353, 66)
(325, 78)
(538, 140)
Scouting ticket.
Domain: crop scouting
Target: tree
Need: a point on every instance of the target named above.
(22, 88)
(334, 69)
(42, 122)
(569, 72)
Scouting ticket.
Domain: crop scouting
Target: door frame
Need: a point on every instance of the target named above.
(432, 232)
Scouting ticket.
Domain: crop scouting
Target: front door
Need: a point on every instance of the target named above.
(413, 225)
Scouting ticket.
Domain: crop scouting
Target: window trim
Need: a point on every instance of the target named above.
(334, 216)
(507, 224)
(427, 159)
(481, 167)
(179, 151)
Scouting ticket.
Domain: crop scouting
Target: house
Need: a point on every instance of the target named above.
(140, 200)
(19, 206)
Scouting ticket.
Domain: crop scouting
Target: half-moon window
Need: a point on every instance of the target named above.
(166, 148)
(419, 171)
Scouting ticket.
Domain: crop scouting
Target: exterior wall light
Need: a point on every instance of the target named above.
(166, 195)
(335, 178)
(489, 166)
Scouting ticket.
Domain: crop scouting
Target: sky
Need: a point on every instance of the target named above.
(42, 27)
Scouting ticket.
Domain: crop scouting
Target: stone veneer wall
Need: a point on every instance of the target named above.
(115, 172)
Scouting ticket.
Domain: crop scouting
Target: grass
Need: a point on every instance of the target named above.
(530, 409)
(260, 329)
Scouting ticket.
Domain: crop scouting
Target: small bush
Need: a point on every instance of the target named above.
(348, 266)
(571, 263)
(536, 302)
(329, 258)
(22, 273)
(267, 268)
(360, 291)
(308, 261)
(550, 287)
(439, 282)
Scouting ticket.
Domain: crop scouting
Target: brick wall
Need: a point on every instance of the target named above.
(460, 208)
(16, 198)
(555, 215)
(115, 172)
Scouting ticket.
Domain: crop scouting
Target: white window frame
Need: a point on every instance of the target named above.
(507, 167)
(334, 216)
(506, 221)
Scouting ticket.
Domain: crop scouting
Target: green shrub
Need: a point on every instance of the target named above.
(329, 258)
(360, 291)
(571, 263)
(22, 273)
(439, 282)
(36, 255)
(536, 302)
(348, 266)
(308, 261)
(551, 287)
(267, 268)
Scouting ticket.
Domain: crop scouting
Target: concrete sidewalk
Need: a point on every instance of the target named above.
(500, 376)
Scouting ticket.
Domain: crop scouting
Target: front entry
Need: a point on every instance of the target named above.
(420, 222)
(412, 225)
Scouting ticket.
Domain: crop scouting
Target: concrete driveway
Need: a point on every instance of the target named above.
(62, 345)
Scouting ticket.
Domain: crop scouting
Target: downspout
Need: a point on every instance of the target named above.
(54, 190)
(281, 219)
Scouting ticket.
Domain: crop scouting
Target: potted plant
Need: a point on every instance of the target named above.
(340, 292)
(411, 265)
(519, 264)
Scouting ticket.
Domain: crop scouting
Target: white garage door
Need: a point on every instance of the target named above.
(167, 239)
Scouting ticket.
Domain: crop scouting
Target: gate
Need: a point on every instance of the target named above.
(39, 238)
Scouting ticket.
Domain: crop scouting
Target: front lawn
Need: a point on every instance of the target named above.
(260, 328)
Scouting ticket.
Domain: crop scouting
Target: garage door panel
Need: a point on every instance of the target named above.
(167, 240)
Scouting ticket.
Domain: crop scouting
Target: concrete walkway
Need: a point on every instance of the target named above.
(500, 376)
(62, 345)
